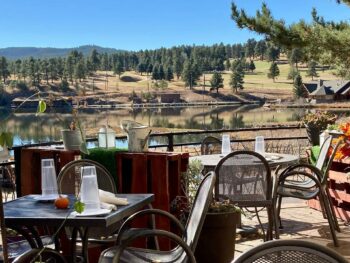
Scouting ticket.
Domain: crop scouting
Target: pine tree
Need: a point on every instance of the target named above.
(69, 68)
(237, 76)
(53, 69)
(95, 59)
(298, 89)
(273, 71)
(155, 72)
(293, 72)
(4, 71)
(217, 82)
(44, 68)
(161, 73)
(311, 71)
(252, 66)
(190, 73)
(227, 64)
(79, 70)
(169, 74)
(118, 68)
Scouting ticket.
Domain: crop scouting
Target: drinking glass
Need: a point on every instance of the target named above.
(260, 145)
(226, 144)
(89, 189)
(48, 179)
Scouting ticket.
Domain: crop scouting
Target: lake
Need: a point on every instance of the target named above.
(29, 128)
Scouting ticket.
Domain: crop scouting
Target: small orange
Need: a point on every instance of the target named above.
(62, 202)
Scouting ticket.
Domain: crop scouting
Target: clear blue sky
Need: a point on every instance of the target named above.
(141, 24)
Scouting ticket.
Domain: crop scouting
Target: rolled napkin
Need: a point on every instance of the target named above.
(108, 206)
(110, 198)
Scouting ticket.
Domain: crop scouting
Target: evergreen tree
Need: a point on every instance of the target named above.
(311, 71)
(190, 73)
(155, 72)
(95, 59)
(293, 72)
(69, 68)
(273, 71)
(141, 68)
(118, 68)
(217, 82)
(60, 68)
(178, 66)
(4, 71)
(169, 74)
(227, 64)
(150, 68)
(260, 49)
(53, 69)
(295, 56)
(105, 62)
(161, 72)
(251, 66)
(44, 68)
(79, 70)
(237, 76)
(272, 53)
(24, 69)
(249, 48)
(298, 89)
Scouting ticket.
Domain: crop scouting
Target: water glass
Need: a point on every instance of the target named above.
(89, 188)
(48, 178)
(226, 144)
(260, 145)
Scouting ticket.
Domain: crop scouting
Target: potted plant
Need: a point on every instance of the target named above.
(216, 242)
(73, 137)
(317, 122)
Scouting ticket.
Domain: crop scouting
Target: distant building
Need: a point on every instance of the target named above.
(328, 90)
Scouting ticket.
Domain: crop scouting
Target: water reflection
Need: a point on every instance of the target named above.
(28, 127)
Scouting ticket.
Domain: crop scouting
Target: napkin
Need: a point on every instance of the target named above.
(108, 206)
(110, 198)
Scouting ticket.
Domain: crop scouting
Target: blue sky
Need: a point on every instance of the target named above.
(141, 24)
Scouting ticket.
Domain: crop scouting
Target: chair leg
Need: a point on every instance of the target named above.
(279, 203)
(266, 237)
(329, 199)
(275, 218)
(322, 196)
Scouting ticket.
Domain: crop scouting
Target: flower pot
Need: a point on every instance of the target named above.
(217, 240)
(71, 139)
(313, 134)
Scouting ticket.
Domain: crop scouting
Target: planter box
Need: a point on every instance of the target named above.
(339, 188)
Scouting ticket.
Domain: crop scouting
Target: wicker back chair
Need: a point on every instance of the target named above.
(186, 245)
(210, 145)
(304, 181)
(277, 251)
(244, 178)
(69, 178)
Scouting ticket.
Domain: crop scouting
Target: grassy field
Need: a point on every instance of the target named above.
(256, 83)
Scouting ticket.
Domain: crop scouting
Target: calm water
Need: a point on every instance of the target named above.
(29, 128)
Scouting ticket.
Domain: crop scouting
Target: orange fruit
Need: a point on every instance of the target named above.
(62, 202)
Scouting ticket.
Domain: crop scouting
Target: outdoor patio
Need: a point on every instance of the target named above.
(299, 222)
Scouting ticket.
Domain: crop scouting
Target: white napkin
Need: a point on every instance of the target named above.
(110, 198)
(108, 206)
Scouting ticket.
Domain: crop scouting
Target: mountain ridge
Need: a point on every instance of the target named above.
(13, 53)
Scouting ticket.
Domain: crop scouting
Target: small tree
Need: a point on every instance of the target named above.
(298, 89)
(237, 76)
(118, 68)
(217, 82)
(273, 71)
(311, 71)
(293, 72)
(252, 66)
(227, 64)
(169, 74)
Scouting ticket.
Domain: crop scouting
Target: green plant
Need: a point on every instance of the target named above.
(223, 207)
(319, 119)
(192, 179)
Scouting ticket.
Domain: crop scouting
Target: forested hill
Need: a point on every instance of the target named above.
(12, 53)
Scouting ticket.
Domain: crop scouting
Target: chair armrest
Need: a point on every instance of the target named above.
(149, 233)
(149, 212)
(38, 254)
(283, 177)
(314, 169)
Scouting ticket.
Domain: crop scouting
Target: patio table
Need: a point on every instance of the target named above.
(29, 213)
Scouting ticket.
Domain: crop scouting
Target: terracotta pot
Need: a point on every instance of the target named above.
(218, 237)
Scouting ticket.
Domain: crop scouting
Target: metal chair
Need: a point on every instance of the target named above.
(210, 145)
(304, 181)
(295, 251)
(40, 255)
(186, 245)
(244, 178)
(69, 178)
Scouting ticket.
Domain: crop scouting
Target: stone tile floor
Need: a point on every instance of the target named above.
(299, 222)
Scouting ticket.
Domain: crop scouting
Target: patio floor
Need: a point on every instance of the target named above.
(299, 222)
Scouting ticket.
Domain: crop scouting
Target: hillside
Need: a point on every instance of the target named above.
(13, 53)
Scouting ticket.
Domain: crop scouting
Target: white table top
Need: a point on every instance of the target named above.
(273, 159)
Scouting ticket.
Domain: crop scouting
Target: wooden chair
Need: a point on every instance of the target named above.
(186, 245)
